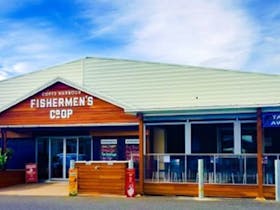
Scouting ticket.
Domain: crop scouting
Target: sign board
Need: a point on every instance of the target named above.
(31, 174)
(271, 119)
(109, 150)
(61, 103)
(132, 141)
(73, 181)
(132, 149)
(108, 141)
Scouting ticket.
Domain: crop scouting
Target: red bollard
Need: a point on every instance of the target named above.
(130, 190)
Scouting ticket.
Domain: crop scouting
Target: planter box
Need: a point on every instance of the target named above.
(11, 177)
(101, 177)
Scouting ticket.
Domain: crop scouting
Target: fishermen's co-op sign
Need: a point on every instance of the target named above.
(61, 102)
(271, 119)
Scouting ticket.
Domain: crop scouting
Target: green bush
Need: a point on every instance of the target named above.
(4, 157)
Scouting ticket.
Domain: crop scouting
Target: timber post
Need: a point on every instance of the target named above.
(260, 153)
(4, 139)
(141, 154)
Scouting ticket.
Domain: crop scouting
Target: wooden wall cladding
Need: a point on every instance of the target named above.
(269, 192)
(32, 112)
(101, 178)
(116, 133)
(231, 191)
(137, 187)
(170, 189)
(9, 178)
(210, 190)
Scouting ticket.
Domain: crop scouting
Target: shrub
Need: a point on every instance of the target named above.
(4, 157)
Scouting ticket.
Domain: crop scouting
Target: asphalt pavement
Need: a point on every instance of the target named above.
(123, 203)
(54, 196)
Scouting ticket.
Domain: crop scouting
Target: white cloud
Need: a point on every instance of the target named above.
(266, 53)
(214, 33)
(197, 32)
(31, 45)
(3, 75)
(21, 67)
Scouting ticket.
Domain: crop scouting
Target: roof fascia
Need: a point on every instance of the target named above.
(206, 110)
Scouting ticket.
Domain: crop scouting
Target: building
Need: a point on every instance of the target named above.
(164, 116)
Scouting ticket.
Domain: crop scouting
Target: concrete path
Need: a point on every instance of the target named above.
(37, 189)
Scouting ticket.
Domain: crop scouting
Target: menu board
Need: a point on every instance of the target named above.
(109, 150)
(132, 149)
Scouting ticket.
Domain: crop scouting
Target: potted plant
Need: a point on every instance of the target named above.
(4, 157)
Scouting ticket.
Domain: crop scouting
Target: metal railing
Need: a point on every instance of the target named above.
(269, 169)
(218, 168)
(135, 159)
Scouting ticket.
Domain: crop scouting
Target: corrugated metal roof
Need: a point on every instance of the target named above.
(13, 89)
(153, 86)
(145, 86)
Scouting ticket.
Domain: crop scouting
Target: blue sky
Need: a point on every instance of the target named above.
(231, 34)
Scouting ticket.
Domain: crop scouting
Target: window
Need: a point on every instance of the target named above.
(272, 140)
(23, 152)
(84, 148)
(248, 137)
(166, 139)
(212, 138)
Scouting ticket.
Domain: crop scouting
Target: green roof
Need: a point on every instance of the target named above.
(144, 86)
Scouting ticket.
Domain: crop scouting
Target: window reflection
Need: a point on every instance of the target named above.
(212, 138)
(166, 139)
(272, 140)
(249, 138)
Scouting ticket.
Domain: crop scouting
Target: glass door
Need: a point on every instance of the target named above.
(43, 158)
(57, 158)
(55, 153)
(71, 153)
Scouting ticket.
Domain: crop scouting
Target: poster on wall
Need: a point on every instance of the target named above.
(109, 150)
(132, 149)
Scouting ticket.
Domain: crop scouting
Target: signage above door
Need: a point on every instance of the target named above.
(61, 103)
(271, 119)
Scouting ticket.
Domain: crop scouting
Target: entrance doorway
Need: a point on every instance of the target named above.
(55, 153)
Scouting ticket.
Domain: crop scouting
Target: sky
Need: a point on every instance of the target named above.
(240, 35)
